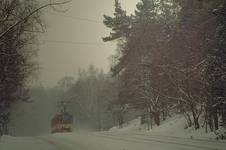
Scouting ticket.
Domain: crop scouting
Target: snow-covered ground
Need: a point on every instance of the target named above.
(169, 136)
(105, 141)
(23, 143)
(174, 126)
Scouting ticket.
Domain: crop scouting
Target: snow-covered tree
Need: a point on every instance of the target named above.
(216, 72)
(20, 21)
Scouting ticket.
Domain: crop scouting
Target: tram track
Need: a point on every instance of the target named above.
(175, 137)
(143, 139)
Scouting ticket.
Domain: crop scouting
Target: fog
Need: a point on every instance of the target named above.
(112, 74)
(72, 42)
(74, 39)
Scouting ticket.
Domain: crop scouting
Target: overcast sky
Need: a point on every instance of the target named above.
(73, 39)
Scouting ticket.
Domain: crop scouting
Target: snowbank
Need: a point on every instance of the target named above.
(133, 125)
(174, 126)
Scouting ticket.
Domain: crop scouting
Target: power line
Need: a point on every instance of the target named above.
(75, 18)
(77, 43)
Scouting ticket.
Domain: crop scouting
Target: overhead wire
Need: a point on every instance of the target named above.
(74, 18)
(76, 42)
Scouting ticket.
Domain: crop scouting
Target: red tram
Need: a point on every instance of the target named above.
(62, 122)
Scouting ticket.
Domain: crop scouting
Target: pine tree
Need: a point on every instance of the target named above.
(120, 23)
(139, 57)
(146, 11)
(216, 71)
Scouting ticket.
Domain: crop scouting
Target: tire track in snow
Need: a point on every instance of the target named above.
(166, 136)
(50, 142)
(59, 144)
(146, 140)
(62, 143)
(210, 143)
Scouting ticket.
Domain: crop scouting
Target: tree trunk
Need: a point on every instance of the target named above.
(151, 121)
(196, 120)
(163, 116)
(188, 118)
(5, 129)
(224, 116)
(157, 118)
(1, 130)
(215, 119)
(142, 120)
(120, 120)
(196, 123)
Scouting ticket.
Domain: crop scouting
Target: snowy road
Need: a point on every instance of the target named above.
(108, 141)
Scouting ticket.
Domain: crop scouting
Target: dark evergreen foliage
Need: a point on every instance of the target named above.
(216, 71)
(171, 58)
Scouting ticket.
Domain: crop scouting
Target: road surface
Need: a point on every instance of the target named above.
(108, 141)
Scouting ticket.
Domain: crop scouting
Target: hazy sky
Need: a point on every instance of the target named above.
(71, 42)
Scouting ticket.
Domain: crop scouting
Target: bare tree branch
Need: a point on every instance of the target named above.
(29, 15)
